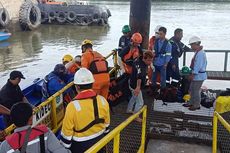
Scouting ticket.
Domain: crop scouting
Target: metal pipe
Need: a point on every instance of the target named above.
(139, 19)
(225, 61)
(214, 134)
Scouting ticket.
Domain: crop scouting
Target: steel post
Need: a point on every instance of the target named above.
(139, 19)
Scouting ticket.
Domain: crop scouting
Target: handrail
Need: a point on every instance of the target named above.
(52, 101)
(115, 134)
(222, 106)
(226, 52)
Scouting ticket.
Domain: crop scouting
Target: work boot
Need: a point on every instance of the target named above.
(192, 108)
(187, 105)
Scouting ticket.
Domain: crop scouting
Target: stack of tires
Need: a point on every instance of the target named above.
(4, 18)
(29, 16)
(73, 14)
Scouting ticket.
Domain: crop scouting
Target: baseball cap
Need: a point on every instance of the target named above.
(16, 74)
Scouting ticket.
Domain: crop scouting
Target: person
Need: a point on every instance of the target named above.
(27, 138)
(137, 82)
(151, 48)
(178, 48)
(97, 64)
(67, 58)
(11, 93)
(162, 49)
(124, 41)
(153, 38)
(131, 52)
(87, 117)
(55, 81)
(74, 65)
(198, 75)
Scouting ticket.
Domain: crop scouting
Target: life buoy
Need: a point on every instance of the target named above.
(61, 17)
(4, 17)
(44, 17)
(29, 16)
(71, 16)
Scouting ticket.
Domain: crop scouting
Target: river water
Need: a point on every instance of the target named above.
(36, 53)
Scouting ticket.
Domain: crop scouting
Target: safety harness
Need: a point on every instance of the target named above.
(96, 120)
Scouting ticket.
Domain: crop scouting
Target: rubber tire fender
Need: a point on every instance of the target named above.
(52, 15)
(44, 17)
(61, 17)
(105, 17)
(4, 17)
(71, 16)
(25, 13)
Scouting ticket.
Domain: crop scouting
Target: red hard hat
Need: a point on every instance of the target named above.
(136, 38)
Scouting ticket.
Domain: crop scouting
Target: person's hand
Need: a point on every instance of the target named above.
(165, 66)
(2, 135)
(137, 91)
(191, 77)
(174, 67)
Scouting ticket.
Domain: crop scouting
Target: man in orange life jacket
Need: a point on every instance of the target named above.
(38, 139)
(131, 52)
(74, 65)
(87, 117)
(97, 64)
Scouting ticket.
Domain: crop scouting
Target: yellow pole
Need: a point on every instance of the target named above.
(54, 113)
(143, 131)
(116, 143)
(214, 137)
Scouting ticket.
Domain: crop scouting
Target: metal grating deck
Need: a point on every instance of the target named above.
(171, 122)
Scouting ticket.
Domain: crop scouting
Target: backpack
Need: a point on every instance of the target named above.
(98, 65)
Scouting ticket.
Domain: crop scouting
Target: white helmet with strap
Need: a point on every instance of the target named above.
(83, 76)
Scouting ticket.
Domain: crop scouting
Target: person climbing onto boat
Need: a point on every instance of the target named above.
(137, 81)
(87, 117)
(26, 138)
(11, 93)
(178, 48)
(151, 48)
(124, 41)
(162, 49)
(131, 52)
(55, 81)
(67, 58)
(74, 65)
(198, 75)
(98, 65)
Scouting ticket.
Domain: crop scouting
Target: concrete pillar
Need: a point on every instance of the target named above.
(139, 19)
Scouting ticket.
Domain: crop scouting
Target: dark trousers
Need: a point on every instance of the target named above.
(172, 73)
(81, 147)
(7, 120)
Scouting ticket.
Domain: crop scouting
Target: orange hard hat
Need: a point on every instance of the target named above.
(136, 38)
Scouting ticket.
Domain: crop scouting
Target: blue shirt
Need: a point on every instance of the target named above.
(162, 59)
(200, 65)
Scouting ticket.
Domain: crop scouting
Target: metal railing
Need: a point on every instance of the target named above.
(222, 106)
(226, 52)
(115, 134)
(51, 112)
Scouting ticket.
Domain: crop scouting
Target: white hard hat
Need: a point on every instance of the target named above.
(194, 39)
(83, 76)
(157, 28)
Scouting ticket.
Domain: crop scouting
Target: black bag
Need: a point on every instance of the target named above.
(118, 90)
(207, 98)
(169, 94)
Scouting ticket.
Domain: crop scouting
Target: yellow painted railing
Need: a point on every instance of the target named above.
(115, 134)
(51, 112)
(222, 106)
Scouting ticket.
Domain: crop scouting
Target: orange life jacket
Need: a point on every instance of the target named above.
(73, 68)
(17, 139)
(132, 54)
(98, 64)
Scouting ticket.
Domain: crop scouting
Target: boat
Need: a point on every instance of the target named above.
(4, 36)
(160, 121)
(55, 12)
